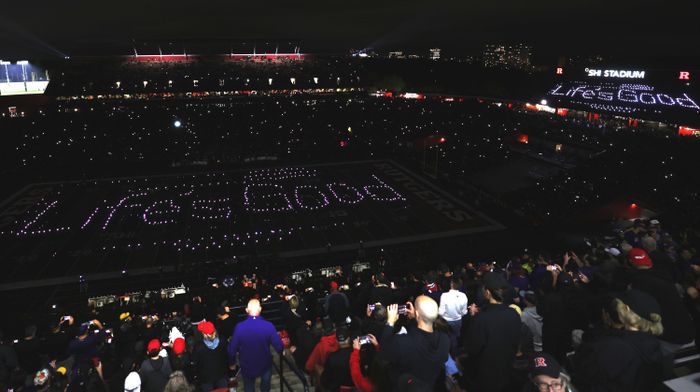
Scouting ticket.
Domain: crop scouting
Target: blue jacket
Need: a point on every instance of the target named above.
(252, 339)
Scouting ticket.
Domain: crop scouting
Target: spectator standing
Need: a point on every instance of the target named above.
(225, 324)
(84, 347)
(362, 383)
(375, 321)
(422, 352)
(625, 355)
(492, 338)
(327, 345)
(251, 341)
(381, 292)
(431, 288)
(336, 372)
(57, 339)
(155, 370)
(209, 359)
(177, 382)
(531, 319)
(453, 306)
(28, 352)
(678, 325)
(132, 383)
(180, 359)
(337, 306)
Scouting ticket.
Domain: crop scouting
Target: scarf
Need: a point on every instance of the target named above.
(212, 344)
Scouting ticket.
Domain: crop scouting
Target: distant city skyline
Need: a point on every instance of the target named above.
(552, 28)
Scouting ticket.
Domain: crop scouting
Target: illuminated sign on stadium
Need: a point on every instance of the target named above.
(615, 73)
(623, 94)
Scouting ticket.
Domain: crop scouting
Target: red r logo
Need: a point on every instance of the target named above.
(539, 362)
(684, 75)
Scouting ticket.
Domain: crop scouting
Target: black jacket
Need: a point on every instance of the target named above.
(492, 341)
(620, 361)
(211, 365)
(337, 307)
(418, 353)
(154, 374)
(678, 325)
(336, 372)
(225, 328)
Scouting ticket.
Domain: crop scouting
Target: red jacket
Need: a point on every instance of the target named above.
(327, 345)
(361, 382)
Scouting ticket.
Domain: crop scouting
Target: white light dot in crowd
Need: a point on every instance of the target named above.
(177, 124)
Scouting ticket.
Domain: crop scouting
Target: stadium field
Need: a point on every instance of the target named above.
(68, 229)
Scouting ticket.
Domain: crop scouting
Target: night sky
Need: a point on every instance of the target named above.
(657, 28)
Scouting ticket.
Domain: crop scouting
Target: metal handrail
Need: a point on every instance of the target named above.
(280, 371)
(294, 369)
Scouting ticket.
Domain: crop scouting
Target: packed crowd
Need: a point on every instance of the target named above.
(608, 317)
(454, 140)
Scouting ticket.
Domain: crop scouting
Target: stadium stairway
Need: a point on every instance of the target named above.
(295, 380)
(686, 366)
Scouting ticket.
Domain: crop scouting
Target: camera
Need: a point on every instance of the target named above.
(364, 339)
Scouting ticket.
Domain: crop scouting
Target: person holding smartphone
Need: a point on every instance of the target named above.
(362, 383)
(422, 351)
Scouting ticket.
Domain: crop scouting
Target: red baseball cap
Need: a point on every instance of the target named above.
(153, 345)
(206, 327)
(334, 285)
(639, 258)
(179, 346)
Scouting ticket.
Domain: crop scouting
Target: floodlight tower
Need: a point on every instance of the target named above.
(7, 72)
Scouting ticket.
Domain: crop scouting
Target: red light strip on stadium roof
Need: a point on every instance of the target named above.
(183, 57)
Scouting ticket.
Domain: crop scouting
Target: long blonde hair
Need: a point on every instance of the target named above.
(178, 383)
(631, 320)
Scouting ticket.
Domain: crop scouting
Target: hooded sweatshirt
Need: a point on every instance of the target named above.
(533, 321)
(326, 346)
(418, 353)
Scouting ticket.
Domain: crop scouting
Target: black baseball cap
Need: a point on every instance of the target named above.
(640, 302)
(544, 364)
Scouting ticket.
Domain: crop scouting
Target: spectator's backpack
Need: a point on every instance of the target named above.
(154, 375)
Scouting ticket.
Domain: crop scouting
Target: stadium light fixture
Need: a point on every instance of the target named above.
(3, 62)
(23, 62)
(177, 124)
